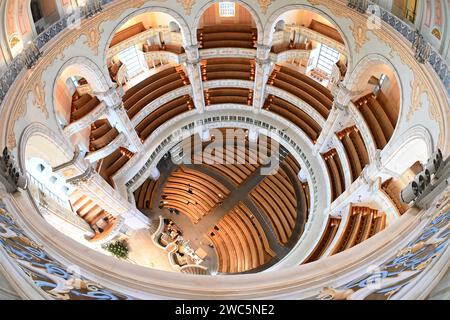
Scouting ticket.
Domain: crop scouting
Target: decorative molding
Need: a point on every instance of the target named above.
(187, 5)
(264, 5)
(359, 31)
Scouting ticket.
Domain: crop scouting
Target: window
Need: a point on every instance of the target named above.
(227, 9)
(327, 58)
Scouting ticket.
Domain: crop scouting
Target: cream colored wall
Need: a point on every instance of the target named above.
(392, 91)
(63, 100)
(303, 17)
(150, 19)
(48, 7)
(42, 147)
(211, 17)
(81, 138)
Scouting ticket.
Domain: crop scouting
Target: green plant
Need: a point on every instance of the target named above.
(118, 249)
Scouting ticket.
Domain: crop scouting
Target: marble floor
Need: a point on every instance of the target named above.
(143, 252)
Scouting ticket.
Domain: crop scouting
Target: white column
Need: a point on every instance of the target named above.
(109, 199)
(205, 135)
(118, 117)
(253, 135)
(262, 73)
(336, 120)
(303, 176)
(155, 174)
(195, 77)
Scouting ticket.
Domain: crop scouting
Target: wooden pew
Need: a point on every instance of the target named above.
(303, 95)
(164, 113)
(325, 241)
(335, 172)
(111, 164)
(326, 30)
(280, 226)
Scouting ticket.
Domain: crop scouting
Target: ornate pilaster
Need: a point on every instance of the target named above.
(262, 72)
(336, 120)
(195, 76)
(110, 200)
(118, 117)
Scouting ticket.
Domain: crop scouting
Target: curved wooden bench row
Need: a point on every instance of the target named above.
(240, 241)
(192, 193)
(227, 61)
(278, 48)
(230, 99)
(227, 68)
(392, 189)
(295, 115)
(381, 117)
(102, 134)
(391, 109)
(153, 95)
(141, 85)
(224, 67)
(326, 30)
(228, 95)
(226, 36)
(303, 94)
(275, 195)
(82, 106)
(164, 113)
(108, 166)
(363, 223)
(292, 163)
(302, 82)
(292, 168)
(221, 36)
(145, 194)
(241, 28)
(127, 33)
(157, 83)
(305, 79)
(335, 172)
(356, 150)
(325, 241)
(236, 169)
(249, 44)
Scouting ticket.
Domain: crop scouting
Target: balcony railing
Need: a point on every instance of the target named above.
(33, 52)
(424, 52)
(30, 55)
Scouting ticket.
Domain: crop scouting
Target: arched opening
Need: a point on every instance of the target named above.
(233, 26)
(49, 189)
(81, 113)
(379, 91)
(67, 207)
(320, 49)
(143, 45)
(227, 24)
(44, 13)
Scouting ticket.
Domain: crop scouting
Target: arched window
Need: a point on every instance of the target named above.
(227, 9)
